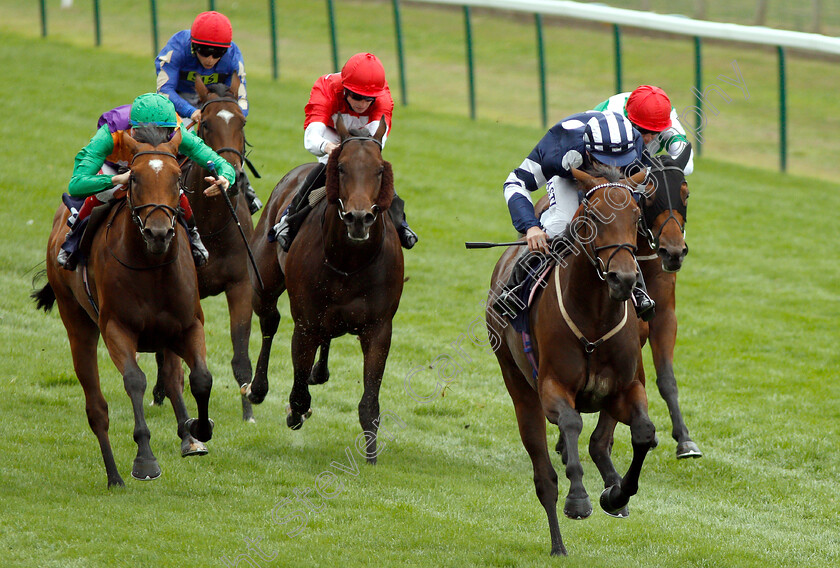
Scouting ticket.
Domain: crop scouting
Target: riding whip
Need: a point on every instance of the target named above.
(483, 245)
(211, 167)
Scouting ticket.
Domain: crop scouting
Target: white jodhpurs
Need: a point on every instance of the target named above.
(562, 204)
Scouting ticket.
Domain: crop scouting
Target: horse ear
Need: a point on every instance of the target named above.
(381, 130)
(175, 142)
(130, 143)
(682, 159)
(200, 88)
(386, 188)
(234, 85)
(637, 182)
(341, 129)
(586, 180)
(331, 185)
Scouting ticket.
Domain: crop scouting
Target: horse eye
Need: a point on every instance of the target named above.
(341, 168)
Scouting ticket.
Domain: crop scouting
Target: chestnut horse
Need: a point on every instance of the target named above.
(585, 342)
(221, 126)
(343, 272)
(663, 239)
(138, 289)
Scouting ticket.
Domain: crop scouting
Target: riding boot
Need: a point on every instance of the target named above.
(408, 238)
(199, 253)
(67, 257)
(254, 203)
(645, 306)
(292, 219)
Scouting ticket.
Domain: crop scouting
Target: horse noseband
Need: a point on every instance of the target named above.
(171, 212)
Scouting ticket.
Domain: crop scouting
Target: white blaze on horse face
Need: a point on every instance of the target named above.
(156, 165)
(225, 115)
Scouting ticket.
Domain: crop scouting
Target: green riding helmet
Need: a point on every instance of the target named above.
(153, 109)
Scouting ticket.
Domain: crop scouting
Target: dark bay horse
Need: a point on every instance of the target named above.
(139, 291)
(343, 273)
(222, 127)
(661, 250)
(585, 340)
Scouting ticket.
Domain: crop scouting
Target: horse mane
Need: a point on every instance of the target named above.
(154, 135)
(386, 189)
(610, 173)
(218, 89)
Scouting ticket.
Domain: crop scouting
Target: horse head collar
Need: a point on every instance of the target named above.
(664, 216)
(157, 238)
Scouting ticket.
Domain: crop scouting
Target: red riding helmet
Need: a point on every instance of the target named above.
(364, 75)
(650, 108)
(211, 28)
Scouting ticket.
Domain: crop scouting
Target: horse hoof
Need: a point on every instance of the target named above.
(116, 482)
(245, 390)
(577, 508)
(255, 397)
(320, 374)
(192, 447)
(295, 420)
(145, 469)
(607, 502)
(200, 431)
(688, 450)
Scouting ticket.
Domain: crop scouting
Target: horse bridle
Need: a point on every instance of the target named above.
(240, 153)
(602, 268)
(171, 212)
(644, 227)
(374, 208)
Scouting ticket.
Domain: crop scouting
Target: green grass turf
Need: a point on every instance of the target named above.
(756, 363)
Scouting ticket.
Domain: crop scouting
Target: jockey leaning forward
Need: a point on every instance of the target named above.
(204, 51)
(101, 167)
(361, 97)
(585, 140)
(649, 110)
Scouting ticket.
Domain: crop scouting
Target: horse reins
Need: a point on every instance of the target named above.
(600, 267)
(653, 240)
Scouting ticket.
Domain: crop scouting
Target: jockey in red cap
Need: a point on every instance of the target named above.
(361, 97)
(650, 111)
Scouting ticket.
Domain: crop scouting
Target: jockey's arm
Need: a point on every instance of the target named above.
(674, 140)
(195, 149)
(85, 179)
(168, 68)
(319, 139)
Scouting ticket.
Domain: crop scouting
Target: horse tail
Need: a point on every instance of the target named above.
(44, 297)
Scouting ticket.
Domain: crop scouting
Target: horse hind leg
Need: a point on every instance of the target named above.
(304, 346)
(169, 367)
(376, 344)
(265, 306)
(239, 306)
(320, 372)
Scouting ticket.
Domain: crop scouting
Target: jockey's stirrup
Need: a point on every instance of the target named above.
(200, 254)
(508, 303)
(645, 306)
(254, 203)
(282, 233)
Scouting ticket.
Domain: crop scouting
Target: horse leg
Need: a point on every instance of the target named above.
(122, 347)
(531, 421)
(159, 390)
(169, 366)
(265, 306)
(559, 411)
(631, 410)
(376, 344)
(194, 352)
(320, 372)
(663, 335)
(304, 346)
(239, 305)
(600, 449)
(84, 337)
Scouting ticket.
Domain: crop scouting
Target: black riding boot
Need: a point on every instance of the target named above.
(408, 238)
(292, 219)
(199, 252)
(254, 203)
(645, 306)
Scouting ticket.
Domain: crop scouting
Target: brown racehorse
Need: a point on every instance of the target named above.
(343, 272)
(586, 345)
(221, 126)
(139, 291)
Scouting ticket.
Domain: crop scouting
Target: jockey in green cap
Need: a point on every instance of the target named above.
(96, 173)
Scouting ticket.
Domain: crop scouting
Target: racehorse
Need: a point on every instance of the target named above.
(663, 239)
(139, 290)
(221, 126)
(343, 273)
(585, 351)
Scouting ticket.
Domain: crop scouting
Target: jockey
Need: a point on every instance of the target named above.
(649, 110)
(205, 51)
(580, 141)
(96, 171)
(361, 97)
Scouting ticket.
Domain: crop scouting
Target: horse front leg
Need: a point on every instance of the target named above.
(559, 410)
(169, 366)
(304, 345)
(193, 351)
(265, 306)
(663, 336)
(600, 449)
(321, 372)
(631, 410)
(239, 306)
(376, 344)
(122, 347)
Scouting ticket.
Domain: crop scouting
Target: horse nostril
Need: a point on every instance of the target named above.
(684, 251)
(347, 218)
(369, 219)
